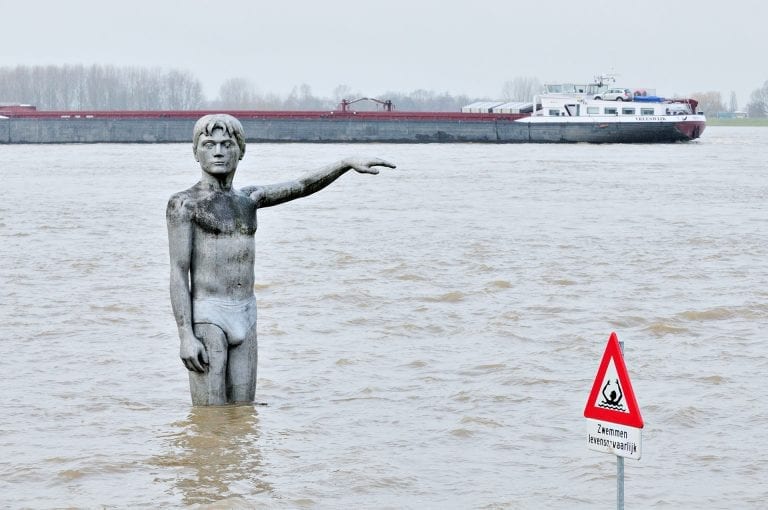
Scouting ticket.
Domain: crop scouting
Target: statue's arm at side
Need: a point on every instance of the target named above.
(179, 222)
(274, 194)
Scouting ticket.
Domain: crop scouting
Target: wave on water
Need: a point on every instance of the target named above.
(727, 312)
(664, 328)
(448, 297)
(477, 420)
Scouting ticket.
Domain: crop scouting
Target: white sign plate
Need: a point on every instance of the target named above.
(620, 440)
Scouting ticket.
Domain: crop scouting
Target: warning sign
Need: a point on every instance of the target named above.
(614, 423)
(612, 398)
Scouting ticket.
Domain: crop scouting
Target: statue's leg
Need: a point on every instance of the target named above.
(209, 388)
(241, 377)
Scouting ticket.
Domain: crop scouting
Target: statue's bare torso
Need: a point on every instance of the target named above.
(223, 228)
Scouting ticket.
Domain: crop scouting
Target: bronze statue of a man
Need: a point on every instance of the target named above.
(211, 229)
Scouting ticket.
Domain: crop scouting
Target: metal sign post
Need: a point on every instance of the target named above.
(619, 483)
(620, 466)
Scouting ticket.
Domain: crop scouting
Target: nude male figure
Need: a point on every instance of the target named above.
(211, 229)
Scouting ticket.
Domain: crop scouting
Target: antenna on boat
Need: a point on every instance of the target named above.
(604, 79)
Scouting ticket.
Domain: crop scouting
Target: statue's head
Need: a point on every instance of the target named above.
(218, 144)
(227, 123)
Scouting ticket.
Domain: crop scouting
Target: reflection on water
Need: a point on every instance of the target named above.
(216, 454)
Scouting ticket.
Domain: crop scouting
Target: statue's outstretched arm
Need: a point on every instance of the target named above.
(178, 218)
(274, 194)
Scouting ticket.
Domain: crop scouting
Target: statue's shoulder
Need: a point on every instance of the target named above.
(183, 202)
(247, 190)
(244, 194)
(252, 193)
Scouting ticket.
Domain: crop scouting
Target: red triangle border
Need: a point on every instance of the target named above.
(631, 419)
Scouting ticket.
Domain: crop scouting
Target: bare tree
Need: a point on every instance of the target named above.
(237, 93)
(343, 91)
(183, 91)
(307, 101)
(146, 87)
(734, 104)
(758, 102)
(709, 102)
(521, 88)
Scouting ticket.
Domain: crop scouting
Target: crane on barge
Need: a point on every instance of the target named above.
(345, 103)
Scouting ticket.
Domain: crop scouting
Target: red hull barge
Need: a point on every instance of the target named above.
(21, 124)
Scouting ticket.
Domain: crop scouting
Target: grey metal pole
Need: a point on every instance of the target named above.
(619, 483)
(620, 467)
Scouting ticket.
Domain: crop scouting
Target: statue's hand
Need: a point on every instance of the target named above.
(366, 165)
(193, 355)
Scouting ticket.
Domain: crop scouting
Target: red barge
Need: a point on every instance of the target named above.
(558, 118)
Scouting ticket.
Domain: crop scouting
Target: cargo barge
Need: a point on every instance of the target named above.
(557, 119)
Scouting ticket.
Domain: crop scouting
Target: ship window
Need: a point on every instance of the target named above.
(554, 113)
(572, 109)
(593, 110)
(646, 111)
(627, 111)
(610, 111)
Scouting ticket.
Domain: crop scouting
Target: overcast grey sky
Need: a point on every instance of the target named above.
(460, 47)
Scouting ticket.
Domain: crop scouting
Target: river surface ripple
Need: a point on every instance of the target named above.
(428, 336)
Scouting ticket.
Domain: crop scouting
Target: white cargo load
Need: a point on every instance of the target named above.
(481, 107)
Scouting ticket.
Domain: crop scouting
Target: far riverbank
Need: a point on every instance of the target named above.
(737, 122)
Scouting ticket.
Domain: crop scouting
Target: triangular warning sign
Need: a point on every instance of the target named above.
(612, 398)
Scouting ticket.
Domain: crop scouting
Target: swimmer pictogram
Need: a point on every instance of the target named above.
(613, 400)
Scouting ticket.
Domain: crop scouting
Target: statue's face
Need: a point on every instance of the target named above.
(218, 153)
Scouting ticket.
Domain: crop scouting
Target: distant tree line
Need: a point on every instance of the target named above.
(106, 87)
(98, 87)
(712, 102)
(241, 93)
